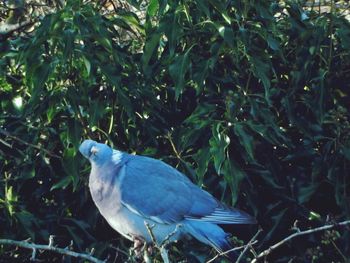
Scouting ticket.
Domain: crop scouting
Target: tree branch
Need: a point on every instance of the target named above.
(300, 233)
(6, 29)
(166, 240)
(249, 245)
(6, 133)
(231, 250)
(50, 247)
(150, 232)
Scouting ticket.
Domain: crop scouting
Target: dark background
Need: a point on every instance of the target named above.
(250, 99)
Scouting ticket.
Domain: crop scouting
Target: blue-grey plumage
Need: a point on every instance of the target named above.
(130, 190)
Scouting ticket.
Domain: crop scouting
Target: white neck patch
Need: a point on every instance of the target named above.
(117, 156)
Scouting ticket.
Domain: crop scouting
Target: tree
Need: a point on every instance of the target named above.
(250, 99)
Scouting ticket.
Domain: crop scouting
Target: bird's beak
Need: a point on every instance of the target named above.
(94, 150)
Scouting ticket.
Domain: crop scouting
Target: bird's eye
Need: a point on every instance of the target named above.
(94, 150)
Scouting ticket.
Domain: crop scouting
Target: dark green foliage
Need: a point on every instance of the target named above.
(250, 99)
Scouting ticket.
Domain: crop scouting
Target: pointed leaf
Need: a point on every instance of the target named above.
(178, 71)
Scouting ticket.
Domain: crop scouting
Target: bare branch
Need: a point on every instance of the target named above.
(299, 233)
(178, 155)
(6, 133)
(164, 254)
(230, 250)
(166, 241)
(9, 28)
(63, 251)
(119, 250)
(250, 243)
(150, 232)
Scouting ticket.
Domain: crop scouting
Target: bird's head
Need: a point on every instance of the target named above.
(96, 153)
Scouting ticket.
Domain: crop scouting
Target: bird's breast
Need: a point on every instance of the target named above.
(105, 190)
(106, 193)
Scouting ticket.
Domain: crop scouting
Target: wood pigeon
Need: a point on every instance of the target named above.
(133, 191)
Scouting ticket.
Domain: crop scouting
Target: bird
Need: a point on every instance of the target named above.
(135, 192)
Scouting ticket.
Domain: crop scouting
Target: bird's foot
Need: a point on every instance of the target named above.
(150, 249)
(139, 246)
(142, 250)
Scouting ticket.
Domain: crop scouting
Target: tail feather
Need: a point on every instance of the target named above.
(213, 235)
(225, 215)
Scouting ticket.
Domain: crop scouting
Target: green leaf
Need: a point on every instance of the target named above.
(39, 77)
(28, 172)
(273, 43)
(344, 35)
(87, 65)
(130, 20)
(201, 116)
(269, 178)
(202, 158)
(178, 71)
(217, 4)
(245, 139)
(11, 199)
(261, 70)
(105, 42)
(74, 233)
(135, 3)
(305, 193)
(68, 40)
(277, 221)
(70, 166)
(28, 222)
(62, 184)
(149, 50)
(75, 131)
(346, 152)
(218, 144)
(96, 112)
(314, 216)
(204, 7)
(50, 113)
(222, 10)
(227, 34)
(174, 30)
(152, 8)
(233, 175)
(125, 101)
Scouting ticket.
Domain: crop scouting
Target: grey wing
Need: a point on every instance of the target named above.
(157, 191)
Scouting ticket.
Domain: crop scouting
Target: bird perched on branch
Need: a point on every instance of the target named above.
(135, 192)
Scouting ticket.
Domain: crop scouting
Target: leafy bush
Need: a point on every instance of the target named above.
(250, 99)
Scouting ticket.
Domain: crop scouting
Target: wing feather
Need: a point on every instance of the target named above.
(157, 191)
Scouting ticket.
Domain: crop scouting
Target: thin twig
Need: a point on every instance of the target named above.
(146, 256)
(301, 233)
(164, 254)
(339, 251)
(120, 250)
(166, 240)
(229, 251)
(10, 28)
(178, 155)
(250, 243)
(150, 232)
(63, 251)
(7, 134)
(163, 244)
